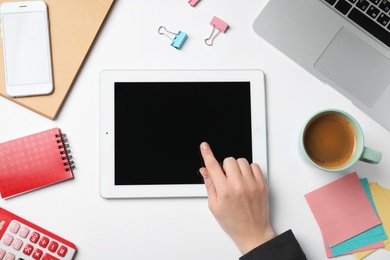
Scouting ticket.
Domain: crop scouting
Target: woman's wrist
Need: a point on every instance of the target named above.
(249, 243)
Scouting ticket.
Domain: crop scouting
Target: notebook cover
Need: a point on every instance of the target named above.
(74, 25)
(34, 161)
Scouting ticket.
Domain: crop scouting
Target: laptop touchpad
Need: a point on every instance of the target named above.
(355, 66)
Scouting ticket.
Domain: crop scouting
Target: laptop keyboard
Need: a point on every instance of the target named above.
(371, 15)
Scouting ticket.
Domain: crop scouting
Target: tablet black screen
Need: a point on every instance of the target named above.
(159, 127)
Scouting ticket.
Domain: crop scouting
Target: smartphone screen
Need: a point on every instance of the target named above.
(27, 58)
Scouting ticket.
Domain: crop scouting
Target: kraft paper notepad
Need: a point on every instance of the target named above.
(74, 25)
(34, 161)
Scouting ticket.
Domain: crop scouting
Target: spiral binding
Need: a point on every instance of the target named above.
(66, 154)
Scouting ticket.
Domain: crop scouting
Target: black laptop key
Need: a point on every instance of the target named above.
(373, 11)
(383, 19)
(370, 26)
(331, 2)
(343, 6)
(362, 4)
(375, 1)
(385, 5)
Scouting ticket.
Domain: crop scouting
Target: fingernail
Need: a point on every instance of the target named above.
(204, 175)
(204, 146)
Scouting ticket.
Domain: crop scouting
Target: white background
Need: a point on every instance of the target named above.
(183, 228)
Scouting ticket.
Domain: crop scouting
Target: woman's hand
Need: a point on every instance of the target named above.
(238, 198)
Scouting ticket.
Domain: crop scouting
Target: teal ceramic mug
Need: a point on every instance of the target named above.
(333, 141)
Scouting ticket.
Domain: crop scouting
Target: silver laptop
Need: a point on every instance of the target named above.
(345, 43)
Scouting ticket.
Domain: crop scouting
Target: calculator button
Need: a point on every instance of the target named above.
(44, 242)
(2, 253)
(17, 244)
(34, 237)
(37, 253)
(8, 239)
(49, 257)
(28, 249)
(53, 246)
(9, 256)
(14, 227)
(24, 232)
(62, 251)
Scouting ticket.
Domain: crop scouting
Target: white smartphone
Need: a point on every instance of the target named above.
(26, 48)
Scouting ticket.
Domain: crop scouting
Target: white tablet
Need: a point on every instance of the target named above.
(153, 121)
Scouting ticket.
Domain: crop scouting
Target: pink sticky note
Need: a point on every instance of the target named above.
(219, 24)
(342, 209)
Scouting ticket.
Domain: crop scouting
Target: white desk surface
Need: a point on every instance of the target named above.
(183, 228)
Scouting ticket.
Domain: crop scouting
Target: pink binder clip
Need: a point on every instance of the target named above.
(218, 24)
(193, 2)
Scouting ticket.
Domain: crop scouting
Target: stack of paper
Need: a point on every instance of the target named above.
(353, 216)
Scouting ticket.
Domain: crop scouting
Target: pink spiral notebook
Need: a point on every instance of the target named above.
(34, 161)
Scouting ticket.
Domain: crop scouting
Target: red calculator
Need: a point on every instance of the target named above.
(23, 240)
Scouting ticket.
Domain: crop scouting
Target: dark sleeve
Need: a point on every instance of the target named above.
(282, 247)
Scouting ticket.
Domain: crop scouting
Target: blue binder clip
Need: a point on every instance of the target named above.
(179, 37)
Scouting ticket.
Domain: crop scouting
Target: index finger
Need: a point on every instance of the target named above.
(212, 165)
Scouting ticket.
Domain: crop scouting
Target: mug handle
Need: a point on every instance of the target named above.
(370, 156)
